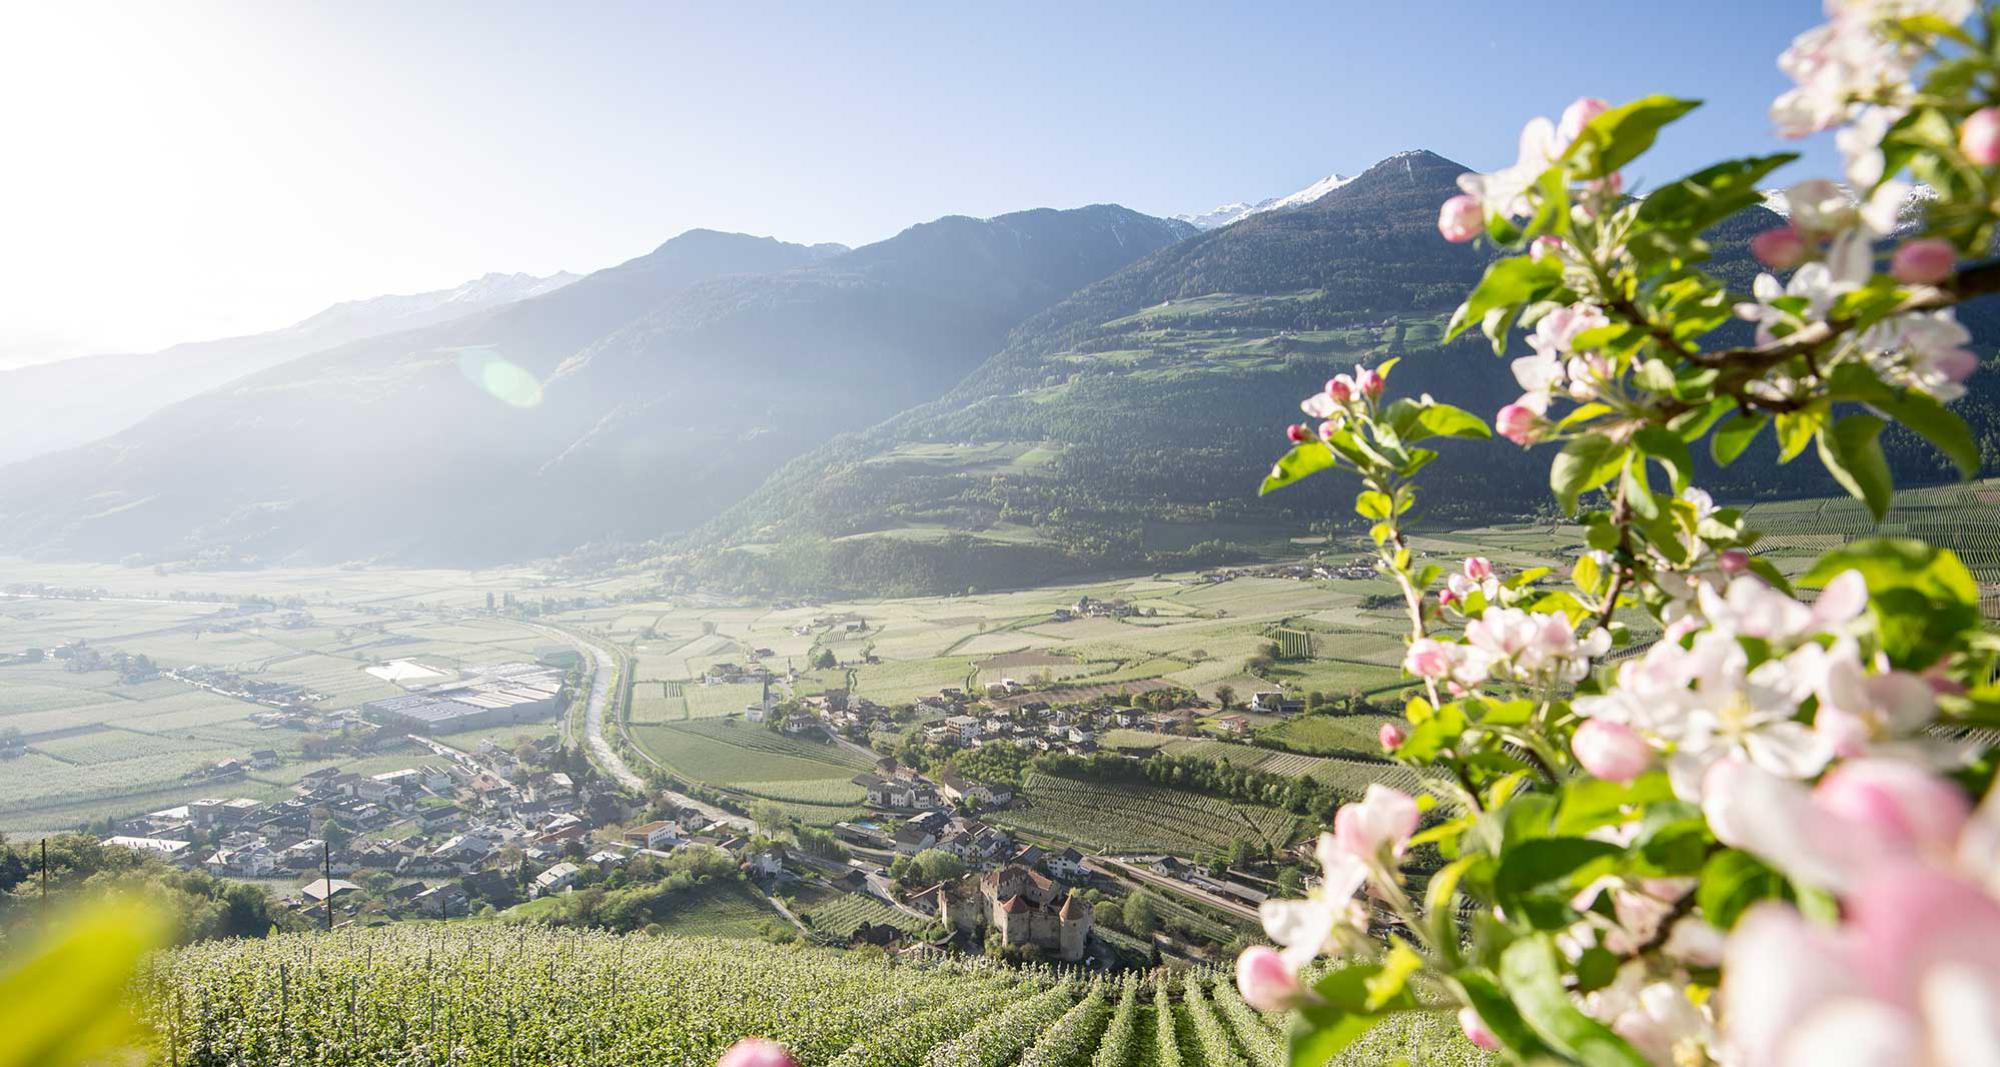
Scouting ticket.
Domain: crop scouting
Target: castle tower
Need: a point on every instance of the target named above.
(1073, 928)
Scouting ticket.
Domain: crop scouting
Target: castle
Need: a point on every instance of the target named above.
(1022, 906)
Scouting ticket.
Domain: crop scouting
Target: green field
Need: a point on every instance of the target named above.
(1140, 817)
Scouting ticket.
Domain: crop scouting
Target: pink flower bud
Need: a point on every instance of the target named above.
(1578, 115)
(1519, 423)
(1610, 750)
(1341, 388)
(1979, 137)
(1447, 598)
(1298, 433)
(1476, 1031)
(1368, 382)
(1327, 429)
(1779, 248)
(1478, 568)
(1265, 980)
(756, 1052)
(1547, 244)
(1461, 218)
(1391, 736)
(1902, 805)
(1735, 561)
(1427, 658)
(1924, 261)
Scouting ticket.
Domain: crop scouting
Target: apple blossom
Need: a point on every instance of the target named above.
(1925, 261)
(1547, 244)
(1610, 750)
(1979, 136)
(1461, 218)
(1266, 981)
(1368, 382)
(756, 1052)
(1298, 433)
(1898, 806)
(1734, 561)
(1304, 929)
(1505, 191)
(1578, 115)
(1392, 736)
(1779, 248)
(1341, 388)
(1383, 821)
(1475, 1030)
(1520, 423)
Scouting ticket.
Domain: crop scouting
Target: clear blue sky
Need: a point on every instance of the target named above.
(201, 169)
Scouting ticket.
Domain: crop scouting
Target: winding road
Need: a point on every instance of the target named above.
(607, 756)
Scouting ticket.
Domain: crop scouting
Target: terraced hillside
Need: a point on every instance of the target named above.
(488, 996)
(1127, 426)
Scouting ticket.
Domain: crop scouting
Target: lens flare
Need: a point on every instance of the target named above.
(504, 381)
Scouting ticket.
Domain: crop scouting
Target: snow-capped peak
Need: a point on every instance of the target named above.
(1228, 213)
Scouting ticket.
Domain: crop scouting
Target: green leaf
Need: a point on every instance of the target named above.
(1584, 464)
(1501, 1019)
(1508, 283)
(1710, 195)
(1588, 803)
(1923, 598)
(1914, 409)
(1796, 430)
(1537, 878)
(1443, 420)
(1670, 451)
(61, 999)
(1731, 881)
(1532, 976)
(1343, 1013)
(1621, 134)
(1852, 453)
(1732, 437)
(1303, 461)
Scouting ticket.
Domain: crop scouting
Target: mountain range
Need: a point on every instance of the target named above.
(1218, 217)
(61, 404)
(970, 403)
(634, 402)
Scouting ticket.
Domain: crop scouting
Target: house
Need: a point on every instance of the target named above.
(1233, 725)
(606, 859)
(465, 851)
(171, 851)
(304, 855)
(966, 727)
(442, 901)
(254, 860)
(1267, 702)
(321, 888)
(661, 834)
(959, 789)
(887, 792)
(1068, 866)
(555, 879)
(264, 759)
(768, 861)
(911, 840)
(1030, 856)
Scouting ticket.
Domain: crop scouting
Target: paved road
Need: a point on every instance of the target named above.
(593, 711)
(608, 757)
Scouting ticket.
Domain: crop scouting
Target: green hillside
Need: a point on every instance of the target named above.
(1126, 427)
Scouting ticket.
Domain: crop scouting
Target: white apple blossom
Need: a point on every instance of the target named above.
(1306, 929)
(1927, 351)
(1740, 710)
(1505, 191)
(1654, 1015)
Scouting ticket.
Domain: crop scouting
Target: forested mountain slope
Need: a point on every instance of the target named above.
(633, 403)
(1127, 427)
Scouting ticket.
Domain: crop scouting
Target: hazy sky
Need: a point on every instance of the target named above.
(177, 171)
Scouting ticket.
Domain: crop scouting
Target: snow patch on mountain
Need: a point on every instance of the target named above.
(1217, 217)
